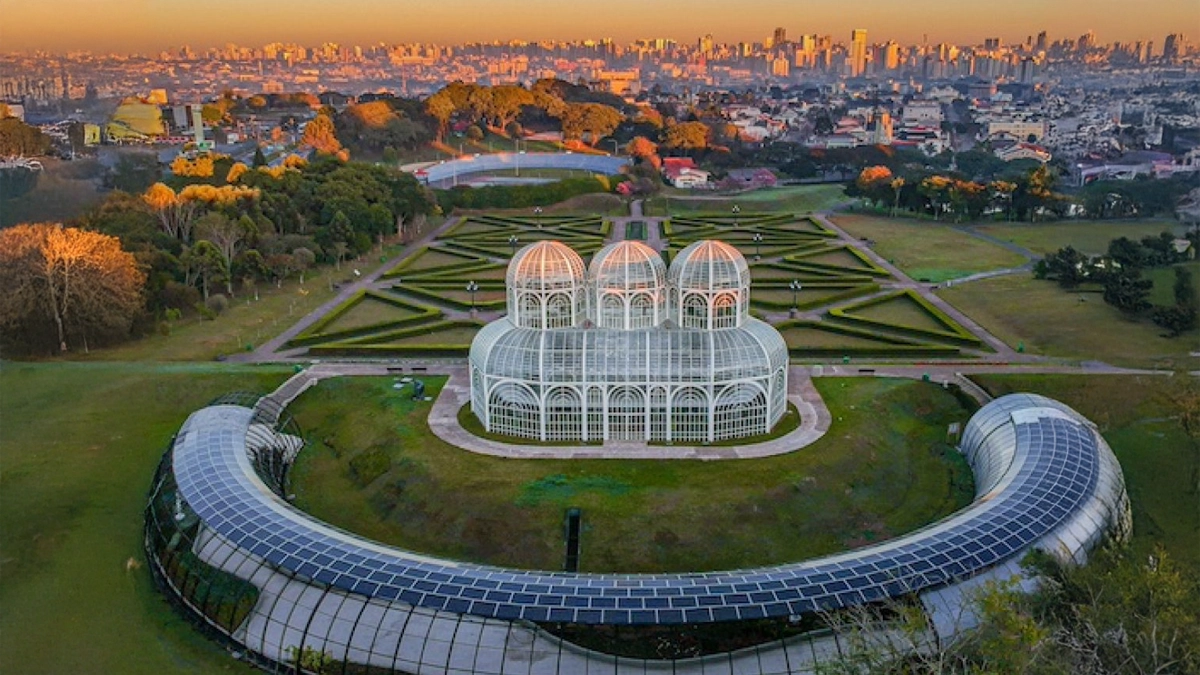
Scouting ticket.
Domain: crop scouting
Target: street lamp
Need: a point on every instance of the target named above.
(616, 145)
(471, 288)
(795, 286)
(537, 213)
(757, 243)
(735, 211)
(512, 242)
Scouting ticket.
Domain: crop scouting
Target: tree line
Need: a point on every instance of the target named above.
(1120, 273)
(192, 242)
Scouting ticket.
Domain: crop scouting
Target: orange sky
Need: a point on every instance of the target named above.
(152, 25)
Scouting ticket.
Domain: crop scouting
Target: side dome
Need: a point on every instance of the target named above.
(711, 286)
(628, 282)
(546, 284)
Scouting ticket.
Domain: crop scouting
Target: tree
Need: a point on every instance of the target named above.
(302, 259)
(506, 103)
(594, 120)
(80, 282)
(19, 138)
(206, 263)
(687, 136)
(259, 158)
(897, 186)
(644, 150)
(440, 107)
(320, 135)
(1066, 266)
(226, 235)
(1126, 290)
(175, 215)
(1176, 319)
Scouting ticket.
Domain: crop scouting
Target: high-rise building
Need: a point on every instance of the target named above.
(1042, 42)
(780, 36)
(858, 52)
(891, 55)
(706, 45)
(1174, 47)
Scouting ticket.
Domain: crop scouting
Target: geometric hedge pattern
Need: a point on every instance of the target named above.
(424, 309)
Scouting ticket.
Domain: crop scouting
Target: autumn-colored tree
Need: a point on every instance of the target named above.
(79, 282)
(687, 136)
(897, 184)
(236, 172)
(175, 215)
(595, 120)
(645, 150)
(319, 134)
(200, 166)
(440, 107)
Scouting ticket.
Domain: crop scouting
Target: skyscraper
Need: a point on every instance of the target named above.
(858, 52)
(780, 36)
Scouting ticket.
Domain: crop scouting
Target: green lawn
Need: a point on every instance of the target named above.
(926, 250)
(1088, 236)
(1161, 464)
(80, 444)
(1077, 326)
(881, 471)
(791, 199)
(1163, 292)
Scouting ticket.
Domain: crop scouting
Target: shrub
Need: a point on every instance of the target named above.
(217, 303)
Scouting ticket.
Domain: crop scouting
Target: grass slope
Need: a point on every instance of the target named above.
(1079, 326)
(80, 443)
(1088, 236)
(865, 481)
(926, 250)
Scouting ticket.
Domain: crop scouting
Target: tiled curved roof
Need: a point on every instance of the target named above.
(1048, 473)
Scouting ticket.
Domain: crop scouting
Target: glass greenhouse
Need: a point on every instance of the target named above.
(628, 349)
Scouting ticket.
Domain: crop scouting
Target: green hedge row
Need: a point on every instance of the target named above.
(401, 333)
(953, 333)
(399, 351)
(413, 289)
(899, 351)
(852, 292)
(405, 266)
(315, 333)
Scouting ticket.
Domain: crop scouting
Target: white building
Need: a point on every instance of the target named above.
(629, 349)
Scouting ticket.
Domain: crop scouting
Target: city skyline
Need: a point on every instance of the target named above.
(149, 26)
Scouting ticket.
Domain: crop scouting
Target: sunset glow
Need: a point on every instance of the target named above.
(150, 25)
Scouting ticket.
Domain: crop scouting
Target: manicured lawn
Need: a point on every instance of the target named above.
(1161, 464)
(1163, 292)
(1088, 236)
(927, 250)
(1078, 326)
(791, 199)
(882, 470)
(80, 443)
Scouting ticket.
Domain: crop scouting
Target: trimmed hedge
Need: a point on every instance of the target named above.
(852, 292)
(314, 333)
(955, 333)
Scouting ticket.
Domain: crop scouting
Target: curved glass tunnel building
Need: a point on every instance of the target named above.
(294, 594)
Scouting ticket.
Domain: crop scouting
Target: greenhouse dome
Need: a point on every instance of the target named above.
(629, 351)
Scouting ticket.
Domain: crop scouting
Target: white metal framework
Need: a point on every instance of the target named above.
(634, 351)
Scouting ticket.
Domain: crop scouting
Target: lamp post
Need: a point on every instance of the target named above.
(735, 211)
(537, 213)
(757, 243)
(795, 286)
(471, 288)
(512, 243)
(616, 145)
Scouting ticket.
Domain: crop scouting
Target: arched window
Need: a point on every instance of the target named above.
(564, 415)
(725, 311)
(529, 311)
(514, 410)
(689, 415)
(641, 312)
(560, 311)
(694, 313)
(741, 410)
(612, 311)
(627, 414)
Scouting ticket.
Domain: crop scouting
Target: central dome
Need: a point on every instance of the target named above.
(628, 285)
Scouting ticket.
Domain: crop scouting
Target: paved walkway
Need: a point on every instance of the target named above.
(443, 419)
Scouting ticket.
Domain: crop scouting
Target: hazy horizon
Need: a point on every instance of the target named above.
(150, 26)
